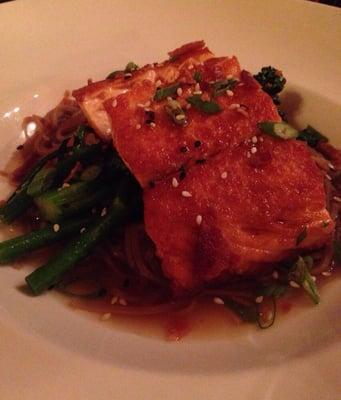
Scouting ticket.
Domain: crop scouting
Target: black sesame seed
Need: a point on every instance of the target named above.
(184, 149)
(182, 173)
(197, 143)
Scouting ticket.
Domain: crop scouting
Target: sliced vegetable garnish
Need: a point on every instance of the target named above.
(167, 91)
(274, 290)
(311, 136)
(300, 273)
(114, 74)
(248, 313)
(301, 236)
(220, 87)
(175, 111)
(197, 76)
(131, 66)
(278, 129)
(207, 107)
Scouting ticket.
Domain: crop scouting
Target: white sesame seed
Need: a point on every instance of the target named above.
(254, 139)
(259, 299)
(229, 93)
(114, 300)
(248, 154)
(158, 83)
(180, 117)
(294, 284)
(218, 300)
(197, 92)
(179, 91)
(326, 273)
(188, 106)
(114, 103)
(241, 84)
(331, 166)
(328, 177)
(275, 275)
(313, 278)
(140, 105)
(198, 219)
(106, 316)
(224, 175)
(56, 227)
(261, 139)
(234, 106)
(169, 98)
(253, 150)
(82, 230)
(128, 75)
(242, 111)
(337, 199)
(122, 302)
(104, 212)
(108, 131)
(138, 126)
(230, 76)
(191, 66)
(185, 193)
(147, 104)
(152, 124)
(175, 182)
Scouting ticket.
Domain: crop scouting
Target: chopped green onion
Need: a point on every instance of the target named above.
(274, 290)
(302, 235)
(247, 313)
(167, 91)
(220, 87)
(311, 136)
(278, 129)
(197, 76)
(131, 66)
(174, 110)
(207, 107)
(114, 74)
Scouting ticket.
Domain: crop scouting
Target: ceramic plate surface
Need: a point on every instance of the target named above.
(48, 351)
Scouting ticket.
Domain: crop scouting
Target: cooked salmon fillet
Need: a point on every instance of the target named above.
(221, 199)
(238, 212)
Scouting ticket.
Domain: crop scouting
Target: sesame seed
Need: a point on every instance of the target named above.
(122, 302)
(179, 91)
(158, 83)
(313, 278)
(326, 273)
(218, 300)
(185, 193)
(234, 106)
(197, 87)
(197, 92)
(328, 177)
(254, 139)
(294, 284)
(191, 66)
(230, 76)
(106, 316)
(198, 219)
(180, 117)
(337, 199)
(253, 150)
(275, 275)
(56, 227)
(229, 93)
(331, 166)
(242, 111)
(175, 182)
(259, 299)
(248, 154)
(147, 104)
(82, 230)
(224, 175)
(128, 75)
(261, 139)
(114, 300)
(140, 105)
(138, 126)
(152, 124)
(240, 84)
(104, 212)
(188, 106)
(114, 103)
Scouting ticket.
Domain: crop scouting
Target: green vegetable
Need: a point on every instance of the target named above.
(174, 110)
(42, 181)
(114, 74)
(300, 273)
(311, 136)
(131, 66)
(51, 273)
(13, 248)
(248, 313)
(197, 76)
(274, 290)
(220, 87)
(57, 205)
(167, 91)
(91, 173)
(302, 235)
(278, 129)
(272, 82)
(207, 107)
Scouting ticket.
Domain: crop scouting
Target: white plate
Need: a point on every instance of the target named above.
(50, 352)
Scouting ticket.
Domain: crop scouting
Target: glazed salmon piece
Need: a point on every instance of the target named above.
(154, 148)
(91, 97)
(239, 212)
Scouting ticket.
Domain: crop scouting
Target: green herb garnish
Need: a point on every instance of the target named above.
(311, 136)
(278, 129)
(197, 76)
(220, 87)
(248, 313)
(167, 91)
(113, 74)
(130, 67)
(207, 107)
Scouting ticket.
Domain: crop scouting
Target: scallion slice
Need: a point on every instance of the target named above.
(278, 129)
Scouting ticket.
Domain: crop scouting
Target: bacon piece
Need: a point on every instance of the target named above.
(152, 152)
(252, 210)
(91, 97)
